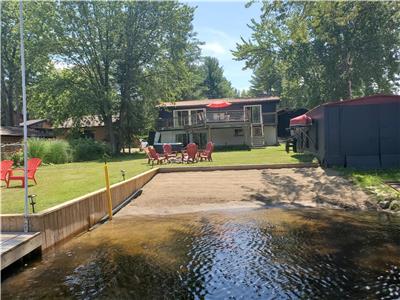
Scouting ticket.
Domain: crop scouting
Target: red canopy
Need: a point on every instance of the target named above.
(302, 120)
(219, 104)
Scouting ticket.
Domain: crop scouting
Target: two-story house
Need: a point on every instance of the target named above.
(251, 122)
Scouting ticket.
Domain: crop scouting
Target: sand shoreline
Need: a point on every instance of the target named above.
(176, 193)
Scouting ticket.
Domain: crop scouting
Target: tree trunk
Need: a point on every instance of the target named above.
(108, 124)
(349, 71)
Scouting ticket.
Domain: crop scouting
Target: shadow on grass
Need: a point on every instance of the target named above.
(303, 157)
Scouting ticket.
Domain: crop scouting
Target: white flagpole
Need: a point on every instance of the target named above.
(21, 31)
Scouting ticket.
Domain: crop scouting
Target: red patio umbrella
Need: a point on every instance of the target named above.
(219, 104)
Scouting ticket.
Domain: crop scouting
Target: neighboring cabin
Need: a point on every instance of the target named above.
(360, 133)
(251, 122)
(11, 136)
(89, 126)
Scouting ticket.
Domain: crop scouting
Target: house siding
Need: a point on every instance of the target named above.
(222, 130)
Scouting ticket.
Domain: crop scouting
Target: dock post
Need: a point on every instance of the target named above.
(108, 191)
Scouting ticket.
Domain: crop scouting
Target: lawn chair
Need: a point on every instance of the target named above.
(33, 165)
(190, 155)
(168, 153)
(6, 167)
(154, 156)
(149, 158)
(206, 154)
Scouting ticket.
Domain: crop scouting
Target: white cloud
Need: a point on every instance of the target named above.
(213, 49)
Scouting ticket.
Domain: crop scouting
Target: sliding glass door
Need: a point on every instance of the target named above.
(252, 113)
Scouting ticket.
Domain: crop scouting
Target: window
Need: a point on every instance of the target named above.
(187, 117)
(182, 138)
(197, 116)
(252, 113)
(239, 132)
(181, 118)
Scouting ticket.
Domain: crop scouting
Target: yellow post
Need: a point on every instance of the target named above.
(108, 191)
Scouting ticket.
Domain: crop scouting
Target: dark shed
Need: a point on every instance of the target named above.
(361, 133)
(284, 116)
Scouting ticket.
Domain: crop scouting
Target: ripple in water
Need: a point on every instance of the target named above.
(259, 254)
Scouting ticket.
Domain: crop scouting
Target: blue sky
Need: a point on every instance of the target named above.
(220, 25)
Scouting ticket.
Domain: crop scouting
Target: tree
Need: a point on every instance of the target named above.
(215, 84)
(39, 45)
(62, 94)
(128, 56)
(88, 38)
(158, 50)
(311, 52)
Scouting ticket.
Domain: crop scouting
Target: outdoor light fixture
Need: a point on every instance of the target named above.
(123, 174)
(32, 202)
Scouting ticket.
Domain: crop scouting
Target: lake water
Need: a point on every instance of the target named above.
(240, 254)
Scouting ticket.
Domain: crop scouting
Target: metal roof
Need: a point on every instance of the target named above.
(19, 131)
(367, 100)
(32, 122)
(87, 121)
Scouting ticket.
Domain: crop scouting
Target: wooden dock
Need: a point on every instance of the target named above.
(15, 245)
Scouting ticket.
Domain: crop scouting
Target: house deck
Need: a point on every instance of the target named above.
(15, 245)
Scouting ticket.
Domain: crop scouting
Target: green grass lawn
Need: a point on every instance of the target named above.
(59, 183)
(373, 181)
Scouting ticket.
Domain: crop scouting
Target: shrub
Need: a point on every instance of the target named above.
(37, 148)
(50, 151)
(87, 149)
(17, 157)
(57, 152)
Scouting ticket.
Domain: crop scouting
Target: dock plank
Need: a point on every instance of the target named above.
(15, 245)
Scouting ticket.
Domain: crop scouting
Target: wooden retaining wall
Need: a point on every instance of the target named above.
(72, 217)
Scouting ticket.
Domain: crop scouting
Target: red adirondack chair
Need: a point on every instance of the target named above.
(206, 154)
(33, 165)
(149, 158)
(6, 167)
(168, 153)
(154, 156)
(190, 155)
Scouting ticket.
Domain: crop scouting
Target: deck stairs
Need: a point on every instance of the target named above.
(258, 142)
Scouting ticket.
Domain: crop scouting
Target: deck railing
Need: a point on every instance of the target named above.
(201, 119)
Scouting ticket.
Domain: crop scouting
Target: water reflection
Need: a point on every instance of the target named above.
(257, 254)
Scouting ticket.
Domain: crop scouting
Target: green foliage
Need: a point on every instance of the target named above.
(62, 94)
(57, 152)
(50, 151)
(121, 58)
(17, 157)
(215, 84)
(37, 148)
(53, 151)
(87, 149)
(312, 52)
(40, 42)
